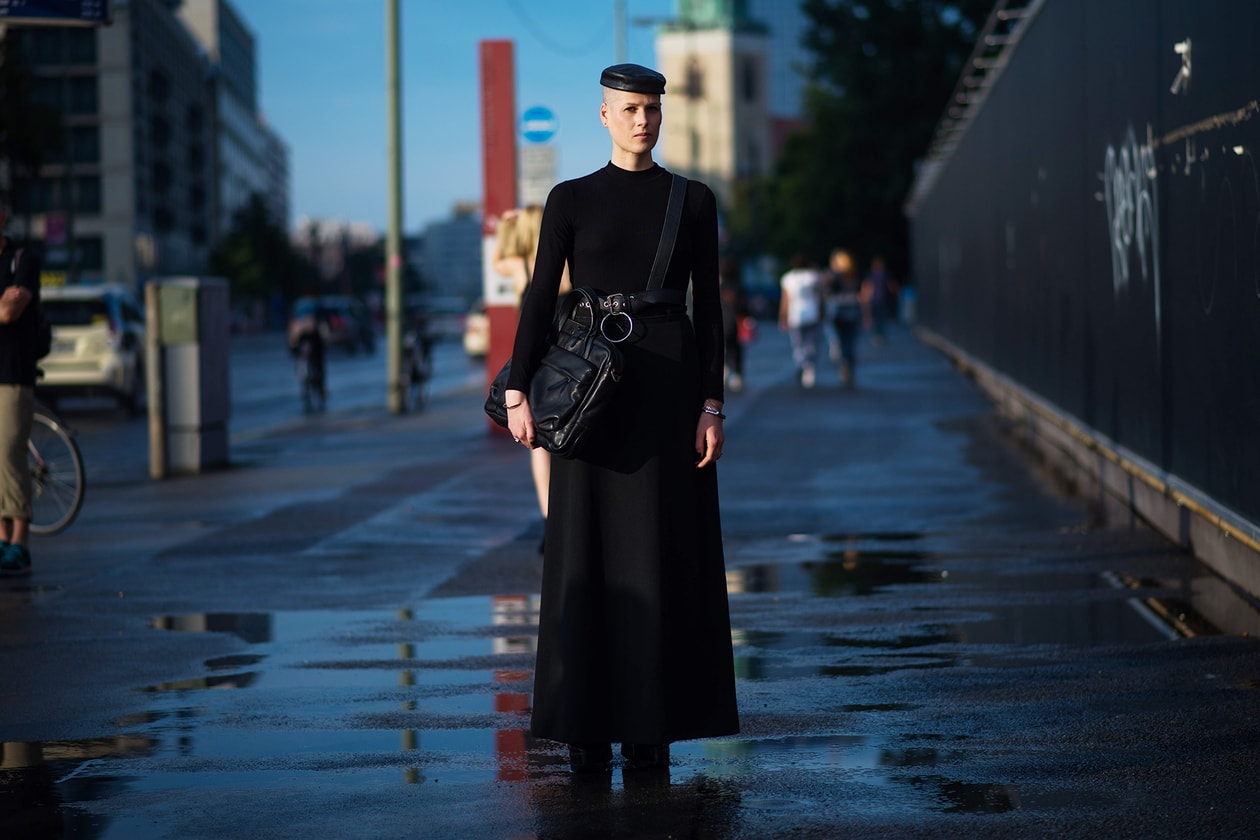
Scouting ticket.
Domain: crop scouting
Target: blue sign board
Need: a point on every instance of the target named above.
(60, 12)
(538, 124)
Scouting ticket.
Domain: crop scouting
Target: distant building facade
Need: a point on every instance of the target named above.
(244, 150)
(146, 181)
(277, 189)
(737, 75)
(450, 253)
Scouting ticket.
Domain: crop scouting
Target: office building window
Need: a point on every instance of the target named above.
(162, 178)
(163, 219)
(48, 195)
(91, 253)
(695, 79)
(56, 45)
(159, 132)
(159, 85)
(84, 146)
(80, 44)
(749, 86)
(88, 194)
(84, 98)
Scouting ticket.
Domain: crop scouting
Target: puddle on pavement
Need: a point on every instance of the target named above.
(863, 565)
(441, 692)
(864, 759)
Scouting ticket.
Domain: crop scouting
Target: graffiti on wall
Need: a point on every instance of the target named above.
(1227, 203)
(1130, 180)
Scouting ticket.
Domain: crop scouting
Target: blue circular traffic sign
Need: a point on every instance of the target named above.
(538, 124)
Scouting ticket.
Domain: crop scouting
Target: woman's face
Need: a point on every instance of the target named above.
(633, 120)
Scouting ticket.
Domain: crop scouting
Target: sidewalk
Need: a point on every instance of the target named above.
(334, 638)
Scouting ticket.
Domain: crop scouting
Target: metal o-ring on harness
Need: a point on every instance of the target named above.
(616, 305)
(603, 327)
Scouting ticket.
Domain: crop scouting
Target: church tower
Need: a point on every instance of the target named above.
(717, 119)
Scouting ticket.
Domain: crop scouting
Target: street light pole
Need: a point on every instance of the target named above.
(393, 240)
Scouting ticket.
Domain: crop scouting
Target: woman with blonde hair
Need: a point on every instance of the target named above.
(846, 309)
(515, 249)
(516, 245)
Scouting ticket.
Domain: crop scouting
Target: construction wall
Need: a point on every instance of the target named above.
(1094, 235)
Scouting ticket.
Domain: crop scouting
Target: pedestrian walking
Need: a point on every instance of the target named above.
(800, 315)
(19, 305)
(634, 642)
(735, 323)
(877, 292)
(845, 310)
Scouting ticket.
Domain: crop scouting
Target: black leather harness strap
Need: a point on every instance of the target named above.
(673, 215)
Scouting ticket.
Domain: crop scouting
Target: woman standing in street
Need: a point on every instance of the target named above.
(634, 640)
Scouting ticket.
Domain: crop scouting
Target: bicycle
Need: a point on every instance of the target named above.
(57, 478)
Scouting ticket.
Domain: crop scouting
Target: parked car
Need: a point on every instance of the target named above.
(98, 344)
(477, 331)
(347, 322)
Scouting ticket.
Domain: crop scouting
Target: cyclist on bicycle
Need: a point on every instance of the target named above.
(19, 315)
(308, 333)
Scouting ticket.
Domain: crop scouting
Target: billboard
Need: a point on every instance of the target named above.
(56, 12)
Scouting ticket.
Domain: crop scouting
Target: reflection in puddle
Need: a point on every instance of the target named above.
(854, 573)
(1208, 607)
(215, 681)
(990, 612)
(411, 710)
(865, 759)
(968, 797)
(861, 565)
(37, 778)
(254, 628)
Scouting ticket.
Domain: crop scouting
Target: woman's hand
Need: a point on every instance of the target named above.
(520, 419)
(709, 438)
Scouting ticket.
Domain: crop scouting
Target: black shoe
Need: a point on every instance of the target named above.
(646, 756)
(590, 758)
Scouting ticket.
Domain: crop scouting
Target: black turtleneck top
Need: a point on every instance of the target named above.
(607, 226)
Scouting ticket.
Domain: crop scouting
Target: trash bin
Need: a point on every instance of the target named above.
(193, 324)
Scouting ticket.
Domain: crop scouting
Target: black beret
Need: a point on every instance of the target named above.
(633, 78)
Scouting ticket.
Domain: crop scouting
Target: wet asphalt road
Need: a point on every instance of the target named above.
(333, 638)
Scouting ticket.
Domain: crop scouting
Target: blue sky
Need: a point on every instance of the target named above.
(322, 87)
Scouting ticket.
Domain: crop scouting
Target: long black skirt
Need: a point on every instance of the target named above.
(634, 640)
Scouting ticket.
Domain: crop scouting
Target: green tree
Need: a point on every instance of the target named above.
(257, 258)
(880, 75)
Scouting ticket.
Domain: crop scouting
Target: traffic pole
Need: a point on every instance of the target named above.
(393, 239)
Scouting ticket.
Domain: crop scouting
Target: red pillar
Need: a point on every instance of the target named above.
(498, 163)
